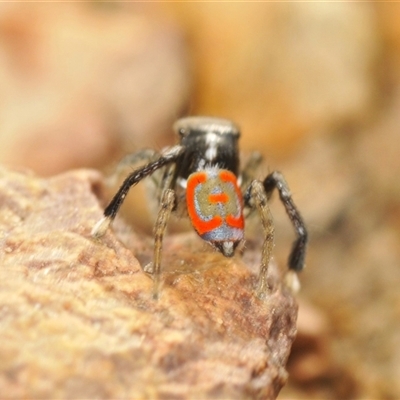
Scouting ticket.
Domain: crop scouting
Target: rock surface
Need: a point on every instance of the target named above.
(78, 319)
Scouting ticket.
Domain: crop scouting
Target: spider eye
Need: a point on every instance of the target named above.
(183, 132)
(185, 126)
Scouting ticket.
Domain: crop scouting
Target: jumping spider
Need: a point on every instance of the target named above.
(200, 177)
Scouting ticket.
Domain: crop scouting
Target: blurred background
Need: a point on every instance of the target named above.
(314, 86)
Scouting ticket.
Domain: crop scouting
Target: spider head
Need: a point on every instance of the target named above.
(207, 142)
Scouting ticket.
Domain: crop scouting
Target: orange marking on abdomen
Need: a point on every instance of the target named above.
(234, 222)
(228, 176)
(199, 224)
(218, 198)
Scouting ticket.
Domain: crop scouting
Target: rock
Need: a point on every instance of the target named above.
(78, 319)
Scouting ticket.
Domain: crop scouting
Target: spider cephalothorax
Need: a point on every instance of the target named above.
(201, 176)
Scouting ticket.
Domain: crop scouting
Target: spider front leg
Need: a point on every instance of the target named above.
(168, 157)
(255, 196)
(130, 161)
(297, 254)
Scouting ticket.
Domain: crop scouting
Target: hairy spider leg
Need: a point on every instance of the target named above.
(297, 255)
(166, 206)
(169, 156)
(255, 196)
(130, 161)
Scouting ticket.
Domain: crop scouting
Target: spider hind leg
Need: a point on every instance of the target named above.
(275, 180)
(255, 196)
(166, 206)
(296, 260)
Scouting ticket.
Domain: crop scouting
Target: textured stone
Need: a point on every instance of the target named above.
(78, 319)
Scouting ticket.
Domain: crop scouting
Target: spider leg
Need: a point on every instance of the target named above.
(255, 196)
(275, 180)
(129, 161)
(168, 157)
(166, 205)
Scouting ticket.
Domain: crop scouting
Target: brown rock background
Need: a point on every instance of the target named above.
(314, 86)
(78, 319)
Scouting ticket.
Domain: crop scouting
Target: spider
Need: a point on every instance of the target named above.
(200, 178)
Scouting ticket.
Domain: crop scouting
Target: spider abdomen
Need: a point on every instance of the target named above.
(215, 208)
